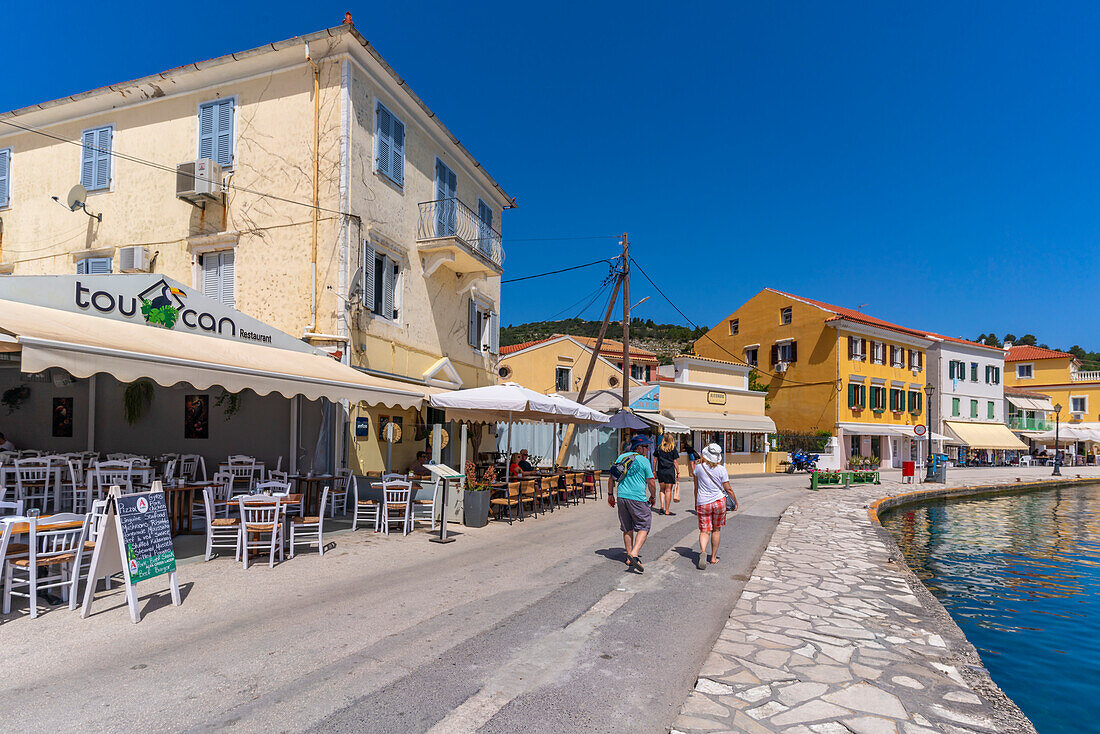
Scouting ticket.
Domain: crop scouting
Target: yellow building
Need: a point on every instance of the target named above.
(1057, 375)
(558, 364)
(207, 174)
(830, 368)
(711, 400)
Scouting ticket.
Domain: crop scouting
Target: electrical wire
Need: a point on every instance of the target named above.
(563, 239)
(167, 169)
(739, 360)
(609, 261)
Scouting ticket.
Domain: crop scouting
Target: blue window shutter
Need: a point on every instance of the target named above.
(224, 147)
(206, 131)
(103, 158)
(5, 177)
(383, 133)
(387, 288)
(397, 153)
(87, 160)
(368, 276)
(82, 267)
(471, 324)
(93, 266)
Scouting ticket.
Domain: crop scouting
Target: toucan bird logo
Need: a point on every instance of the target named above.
(161, 304)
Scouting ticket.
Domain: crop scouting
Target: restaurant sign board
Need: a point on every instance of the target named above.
(716, 398)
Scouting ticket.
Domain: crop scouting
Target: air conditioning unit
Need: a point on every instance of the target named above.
(199, 180)
(781, 367)
(134, 260)
(1077, 416)
(916, 371)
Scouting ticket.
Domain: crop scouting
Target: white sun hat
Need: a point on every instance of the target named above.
(712, 453)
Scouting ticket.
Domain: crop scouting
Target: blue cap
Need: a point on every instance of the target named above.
(639, 440)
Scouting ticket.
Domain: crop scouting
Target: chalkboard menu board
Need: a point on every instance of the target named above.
(146, 535)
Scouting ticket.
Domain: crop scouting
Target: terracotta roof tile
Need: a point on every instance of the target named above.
(610, 347)
(1024, 393)
(851, 314)
(1025, 353)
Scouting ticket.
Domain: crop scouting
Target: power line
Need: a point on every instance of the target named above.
(563, 239)
(786, 380)
(167, 169)
(610, 262)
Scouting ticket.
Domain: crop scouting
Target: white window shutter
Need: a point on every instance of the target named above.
(471, 324)
(211, 285)
(228, 278)
(387, 288)
(368, 276)
(494, 332)
(5, 176)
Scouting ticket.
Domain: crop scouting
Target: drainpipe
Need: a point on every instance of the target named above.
(316, 175)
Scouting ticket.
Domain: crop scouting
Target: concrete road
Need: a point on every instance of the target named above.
(533, 627)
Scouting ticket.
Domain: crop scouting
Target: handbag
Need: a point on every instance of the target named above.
(731, 503)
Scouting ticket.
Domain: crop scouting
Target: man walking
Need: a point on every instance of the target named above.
(634, 491)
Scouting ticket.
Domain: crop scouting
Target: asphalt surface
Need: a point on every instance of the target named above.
(533, 627)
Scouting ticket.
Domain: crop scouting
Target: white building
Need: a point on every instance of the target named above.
(969, 401)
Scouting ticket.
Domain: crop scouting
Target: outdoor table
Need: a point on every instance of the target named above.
(310, 487)
(181, 503)
(22, 528)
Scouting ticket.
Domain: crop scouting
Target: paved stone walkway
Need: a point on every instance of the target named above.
(833, 635)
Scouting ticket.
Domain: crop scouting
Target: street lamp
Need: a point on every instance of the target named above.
(929, 389)
(1057, 419)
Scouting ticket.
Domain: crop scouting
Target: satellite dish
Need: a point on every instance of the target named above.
(76, 198)
(356, 285)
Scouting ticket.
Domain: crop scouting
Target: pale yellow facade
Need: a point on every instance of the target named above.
(267, 220)
(538, 367)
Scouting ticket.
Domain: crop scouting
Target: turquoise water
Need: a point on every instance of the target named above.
(1020, 574)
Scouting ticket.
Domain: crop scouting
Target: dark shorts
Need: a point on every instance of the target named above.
(666, 477)
(634, 515)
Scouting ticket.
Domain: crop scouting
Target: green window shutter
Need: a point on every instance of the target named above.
(973, 408)
(955, 407)
(990, 409)
(851, 395)
(862, 396)
(951, 370)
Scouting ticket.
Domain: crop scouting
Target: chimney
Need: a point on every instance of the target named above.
(1008, 345)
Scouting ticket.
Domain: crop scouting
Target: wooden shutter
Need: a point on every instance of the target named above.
(387, 287)
(211, 283)
(383, 126)
(228, 275)
(863, 348)
(775, 354)
(397, 150)
(5, 176)
(471, 324)
(82, 267)
(103, 158)
(368, 276)
(98, 265)
(87, 160)
(206, 131)
(851, 395)
(494, 333)
(794, 351)
(216, 131)
(851, 347)
(951, 370)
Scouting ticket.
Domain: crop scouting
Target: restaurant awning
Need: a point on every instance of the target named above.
(885, 429)
(84, 345)
(1023, 403)
(986, 435)
(733, 422)
(669, 425)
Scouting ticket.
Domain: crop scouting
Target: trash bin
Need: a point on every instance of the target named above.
(908, 470)
(939, 468)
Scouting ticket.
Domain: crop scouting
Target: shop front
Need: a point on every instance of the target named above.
(983, 444)
(140, 363)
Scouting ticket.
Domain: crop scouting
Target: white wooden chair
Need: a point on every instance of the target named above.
(368, 504)
(261, 516)
(422, 507)
(340, 492)
(49, 545)
(10, 508)
(33, 482)
(243, 469)
(396, 506)
(75, 492)
(106, 474)
(170, 471)
(281, 490)
(309, 530)
(192, 467)
(221, 532)
(97, 518)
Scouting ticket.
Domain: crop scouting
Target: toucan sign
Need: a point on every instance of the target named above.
(149, 299)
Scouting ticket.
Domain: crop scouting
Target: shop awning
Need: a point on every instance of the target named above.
(669, 425)
(734, 422)
(883, 429)
(1023, 403)
(85, 345)
(986, 435)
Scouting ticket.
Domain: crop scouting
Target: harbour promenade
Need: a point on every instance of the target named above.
(833, 633)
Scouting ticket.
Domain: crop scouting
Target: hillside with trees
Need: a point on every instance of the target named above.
(665, 340)
(1089, 360)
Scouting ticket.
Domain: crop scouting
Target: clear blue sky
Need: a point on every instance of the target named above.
(939, 164)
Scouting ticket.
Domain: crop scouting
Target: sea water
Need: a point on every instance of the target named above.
(1020, 574)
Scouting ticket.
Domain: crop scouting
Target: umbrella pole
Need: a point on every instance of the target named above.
(508, 463)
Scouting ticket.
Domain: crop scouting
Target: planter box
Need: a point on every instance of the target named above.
(475, 512)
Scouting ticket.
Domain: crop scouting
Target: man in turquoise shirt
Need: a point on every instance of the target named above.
(634, 491)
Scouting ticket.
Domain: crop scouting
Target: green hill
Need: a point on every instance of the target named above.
(666, 340)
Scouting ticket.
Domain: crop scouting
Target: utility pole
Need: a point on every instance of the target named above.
(569, 430)
(626, 322)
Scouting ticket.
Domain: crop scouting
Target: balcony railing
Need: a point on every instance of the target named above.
(445, 218)
(1019, 423)
(1084, 377)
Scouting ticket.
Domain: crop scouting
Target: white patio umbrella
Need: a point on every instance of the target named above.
(511, 402)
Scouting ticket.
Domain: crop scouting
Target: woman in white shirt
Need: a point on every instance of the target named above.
(712, 481)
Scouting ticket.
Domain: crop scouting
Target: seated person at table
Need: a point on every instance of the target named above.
(418, 469)
(514, 469)
(5, 444)
(524, 464)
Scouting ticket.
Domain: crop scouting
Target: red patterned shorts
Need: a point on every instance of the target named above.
(712, 516)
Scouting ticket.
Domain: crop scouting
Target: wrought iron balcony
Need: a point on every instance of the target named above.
(461, 240)
(1020, 423)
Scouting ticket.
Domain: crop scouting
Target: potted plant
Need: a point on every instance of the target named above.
(873, 462)
(475, 497)
(855, 462)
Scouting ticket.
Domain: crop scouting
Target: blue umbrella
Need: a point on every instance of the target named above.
(626, 419)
